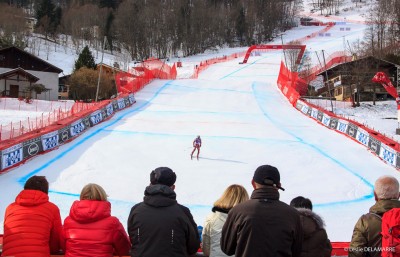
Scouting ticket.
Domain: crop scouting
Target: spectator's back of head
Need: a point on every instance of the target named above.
(163, 176)
(267, 175)
(232, 196)
(301, 202)
(37, 183)
(93, 192)
(386, 187)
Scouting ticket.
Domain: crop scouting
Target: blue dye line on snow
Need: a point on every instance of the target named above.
(321, 152)
(127, 132)
(81, 140)
(23, 179)
(244, 67)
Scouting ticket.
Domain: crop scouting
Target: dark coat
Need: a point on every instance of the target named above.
(159, 226)
(315, 239)
(367, 231)
(262, 226)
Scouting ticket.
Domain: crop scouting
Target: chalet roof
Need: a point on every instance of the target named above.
(21, 72)
(13, 57)
(370, 59)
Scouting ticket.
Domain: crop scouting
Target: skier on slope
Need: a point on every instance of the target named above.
(196, 145)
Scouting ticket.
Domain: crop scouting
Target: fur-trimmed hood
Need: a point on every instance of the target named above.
(311, 221)
(315, 239)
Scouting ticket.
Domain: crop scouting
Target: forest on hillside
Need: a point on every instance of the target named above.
(158, 28)
(162, 28)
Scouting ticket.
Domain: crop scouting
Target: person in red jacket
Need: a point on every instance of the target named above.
(90, 230)
(32, 224)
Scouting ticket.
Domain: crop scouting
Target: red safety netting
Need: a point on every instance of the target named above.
(294, 84)
(137, 77)
(205, 64)
(41, 120)
(333, 59)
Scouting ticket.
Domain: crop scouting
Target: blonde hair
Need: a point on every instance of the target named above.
(386, 187)
(232, 196)
(93, 192)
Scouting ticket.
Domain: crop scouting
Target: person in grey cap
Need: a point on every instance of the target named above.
(159, 226)
(263, 226)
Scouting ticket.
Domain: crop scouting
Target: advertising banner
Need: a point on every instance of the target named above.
(342, 126)
(326, 119)
(132, 99)
(362, 136)
(115, 105)
(333, 123)
(304, 109)
(127, 102)
(320, 115)
(63, 134)
(32, 147)
(50, 140)
(314, 113)
(76, 128)
(121, 103)
(388, 154)
(374, 145)
(11, 156)
(95, 117)
(109, 109)
(398, 161)
(351, 130)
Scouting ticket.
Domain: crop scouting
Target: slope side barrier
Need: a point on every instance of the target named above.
(18, 150)
(205, 64)
(385, 148)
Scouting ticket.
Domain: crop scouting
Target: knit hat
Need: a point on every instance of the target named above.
(267, 175)
(163, 175)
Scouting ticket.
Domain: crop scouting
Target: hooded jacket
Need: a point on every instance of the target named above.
(90, 230)
(32, 226)
(315, 239)
(159, 226)
(367, 231)
(262, 226)
(212, 232)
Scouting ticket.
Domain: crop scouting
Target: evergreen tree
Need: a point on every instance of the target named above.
(48, 16)
(241, 25)
(85, 59)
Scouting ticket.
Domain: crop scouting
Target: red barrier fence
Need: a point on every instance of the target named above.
(137, 77)
(205, 64)
(385, 148)
(41, 120)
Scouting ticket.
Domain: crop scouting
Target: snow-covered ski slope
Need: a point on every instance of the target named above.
(244, 122)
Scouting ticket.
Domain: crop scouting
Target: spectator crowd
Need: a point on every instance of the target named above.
(239, 224)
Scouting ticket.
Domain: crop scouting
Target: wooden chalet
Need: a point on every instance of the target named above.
(19, 70)
(352, 81)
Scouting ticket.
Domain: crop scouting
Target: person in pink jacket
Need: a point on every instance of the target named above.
(32, 224)
(90, 230)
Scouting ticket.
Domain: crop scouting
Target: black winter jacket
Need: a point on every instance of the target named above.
(315, 239)
(262, 226)
(161, 227)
